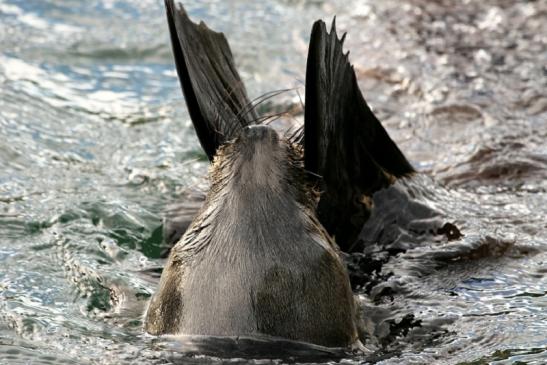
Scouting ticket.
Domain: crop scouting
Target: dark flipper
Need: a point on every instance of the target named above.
(214, 93)
(343, 141)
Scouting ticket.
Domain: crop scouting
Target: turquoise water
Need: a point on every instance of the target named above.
(96, 142)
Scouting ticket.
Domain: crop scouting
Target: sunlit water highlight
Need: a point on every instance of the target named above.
(96, 142)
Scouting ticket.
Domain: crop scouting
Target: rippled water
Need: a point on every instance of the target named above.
(96, 141)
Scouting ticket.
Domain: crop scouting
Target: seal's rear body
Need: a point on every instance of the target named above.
(255, 260)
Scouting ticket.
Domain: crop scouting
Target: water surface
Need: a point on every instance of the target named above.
(96, 141)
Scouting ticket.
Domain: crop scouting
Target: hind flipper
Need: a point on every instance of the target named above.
(215, 95)
(343, 141)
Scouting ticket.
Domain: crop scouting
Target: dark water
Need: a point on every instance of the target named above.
(96, 141)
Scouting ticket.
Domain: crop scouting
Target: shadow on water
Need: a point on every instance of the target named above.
(98, 155)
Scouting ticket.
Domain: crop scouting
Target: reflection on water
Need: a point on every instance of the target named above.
(96, 142)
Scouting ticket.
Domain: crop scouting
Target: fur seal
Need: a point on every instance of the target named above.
(259, 257)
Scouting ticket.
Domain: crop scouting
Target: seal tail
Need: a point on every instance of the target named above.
(343, 140)
(215, 95)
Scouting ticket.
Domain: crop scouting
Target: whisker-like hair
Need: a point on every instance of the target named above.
(245, 110)
(273, 120)
(296, 136)
(249, 107)
(237, 122)
(300, 98)
(264, 118)
(313, 174)
(259, 100)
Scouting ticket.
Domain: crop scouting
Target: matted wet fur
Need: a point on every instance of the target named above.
(257, 258)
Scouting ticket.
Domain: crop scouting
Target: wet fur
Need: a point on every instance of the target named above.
(256, 260)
